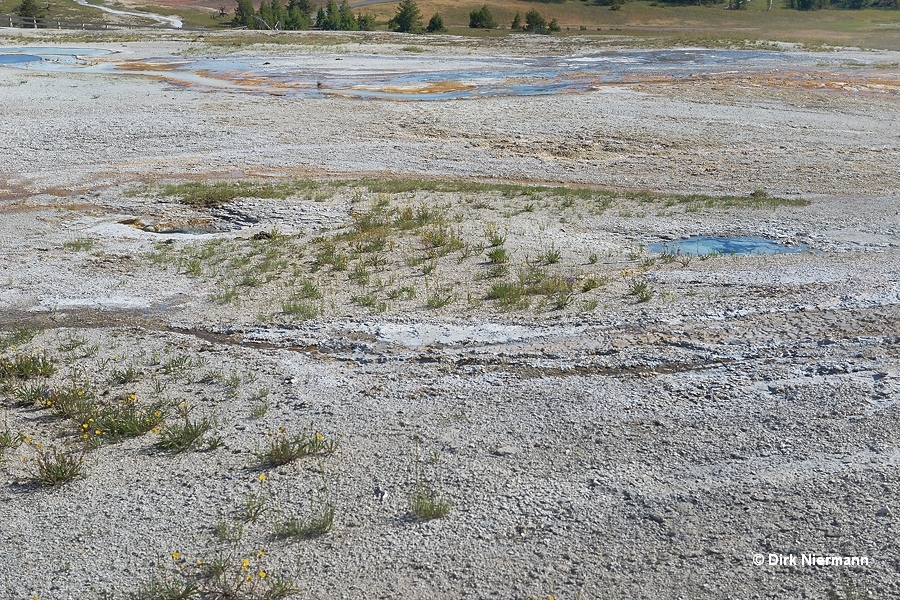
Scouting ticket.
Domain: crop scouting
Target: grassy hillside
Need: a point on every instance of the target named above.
(866, 28)
(648, 20)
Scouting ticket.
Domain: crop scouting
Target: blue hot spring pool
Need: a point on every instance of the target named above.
(702, 245)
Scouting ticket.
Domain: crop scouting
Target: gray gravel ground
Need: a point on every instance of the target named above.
(609, 449)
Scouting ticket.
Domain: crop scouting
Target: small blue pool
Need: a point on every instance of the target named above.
(12, 59)
(704, 246)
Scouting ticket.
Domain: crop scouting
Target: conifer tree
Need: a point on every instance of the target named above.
(408, 18)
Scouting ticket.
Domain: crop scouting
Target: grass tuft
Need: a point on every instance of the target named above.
(284, 449)
(426, 505)
(314, 526)
(56, 467)
(187, 434)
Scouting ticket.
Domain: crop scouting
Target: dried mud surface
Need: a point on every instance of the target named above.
(602, 448)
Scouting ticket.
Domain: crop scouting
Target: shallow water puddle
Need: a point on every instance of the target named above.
(705, 246)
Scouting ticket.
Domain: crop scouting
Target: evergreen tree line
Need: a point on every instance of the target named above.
(300, 14)
(482, 18)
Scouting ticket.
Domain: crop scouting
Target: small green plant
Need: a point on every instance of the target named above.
(188, 433)
(592, 283)
(9, 440)
(428, 267)
(551, 255)
(124, 417)
(228, 532)
(641, 290)
(253, 508)
(82, 244)
(359, 275)
(494, 236)
(259, 410)
(72, 343)
(368, 300)
(167, 588)
(509, 294)
(177, 364)
(495, 272)
(439, 297)
(29, 394)
(329, 255)
(305, 289)
(315, 525)
(126, 375)
(300, 307)
(56, 467)
(497, 255)
(402, 293)
(560, 300)
(232, 385)
(440, 237)
(70, 402)
(592, 259)
(424, 503)
(647, 262)
(284, 448)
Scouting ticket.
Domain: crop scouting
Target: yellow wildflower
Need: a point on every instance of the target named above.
(176, 555)
(262, 477)
(262, 574)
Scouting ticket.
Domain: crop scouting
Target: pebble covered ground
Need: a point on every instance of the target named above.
(615, 423)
